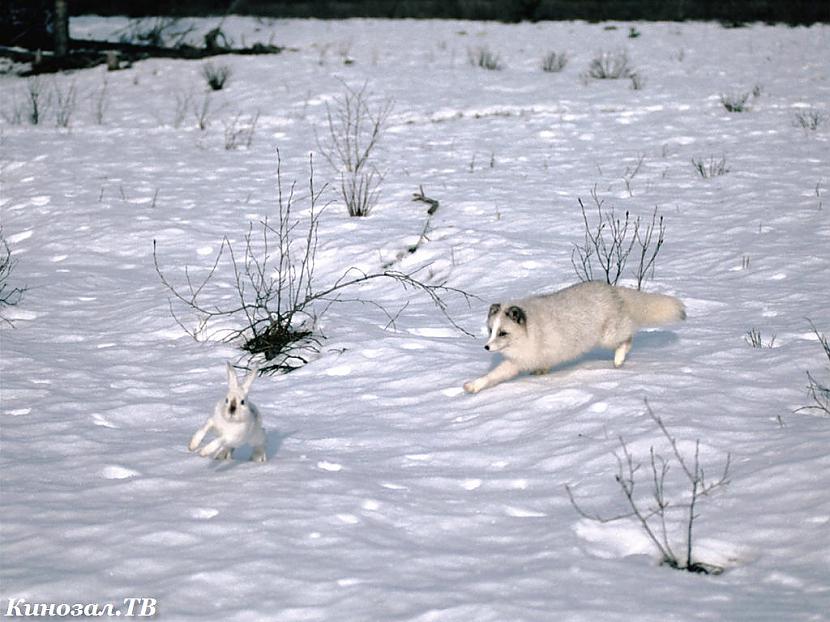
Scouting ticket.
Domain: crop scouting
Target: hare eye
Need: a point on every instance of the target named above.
(226, 400)
(242, 402)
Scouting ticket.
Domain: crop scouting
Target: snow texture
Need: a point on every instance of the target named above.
(389, 494)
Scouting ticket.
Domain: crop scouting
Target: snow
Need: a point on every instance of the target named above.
(389, 493)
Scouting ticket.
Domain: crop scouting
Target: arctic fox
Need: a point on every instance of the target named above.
(536, 333)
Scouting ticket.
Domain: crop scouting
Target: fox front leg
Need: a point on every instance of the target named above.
(200, 435)
(622, 351)
(504, 371)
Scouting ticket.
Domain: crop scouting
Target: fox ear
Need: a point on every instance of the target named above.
(493, 310)
(517, 315)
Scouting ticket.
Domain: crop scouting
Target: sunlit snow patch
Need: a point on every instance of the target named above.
(118, 472)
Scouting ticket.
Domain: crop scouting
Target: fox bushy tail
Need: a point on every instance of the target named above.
(652, 309)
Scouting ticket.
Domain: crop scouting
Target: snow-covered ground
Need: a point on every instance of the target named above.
(390, 494)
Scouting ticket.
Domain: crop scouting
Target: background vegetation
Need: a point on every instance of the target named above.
(732, 11)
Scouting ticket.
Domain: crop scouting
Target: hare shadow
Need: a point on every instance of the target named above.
(273, 442)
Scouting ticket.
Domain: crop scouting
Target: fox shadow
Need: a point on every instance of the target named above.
(643, 341)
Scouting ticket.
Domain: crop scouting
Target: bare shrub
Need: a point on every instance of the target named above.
(355, 126)
(65, 103)
(240, 132)
(808, 119)
(156, 32)
(423, 237)
(554, 62)
(202, 112)
(10, 295)
(655, 513)
(819, 391)
(638, 81)
(484, 58)
(216, 75)
(712, 168)
(100, 102)
(735, 102)
(276, 296)
(610, 66)
(754, 338)
(360, 192)
(37, 100)
(610, 242)
(184, 99)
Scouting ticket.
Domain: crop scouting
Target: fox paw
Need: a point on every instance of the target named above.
(471, 387)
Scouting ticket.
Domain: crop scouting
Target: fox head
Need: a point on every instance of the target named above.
(506, 325)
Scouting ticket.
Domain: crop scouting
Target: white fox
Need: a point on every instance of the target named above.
(536, 333)
(235, 421)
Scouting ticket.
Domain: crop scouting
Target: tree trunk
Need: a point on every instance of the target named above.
(61, 28)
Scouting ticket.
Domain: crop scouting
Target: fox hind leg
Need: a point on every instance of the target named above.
(622, 351)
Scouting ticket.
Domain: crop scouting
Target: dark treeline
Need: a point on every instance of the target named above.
(728, 11)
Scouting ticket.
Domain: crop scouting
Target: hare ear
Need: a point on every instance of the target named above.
(249, 379)
(233, 383)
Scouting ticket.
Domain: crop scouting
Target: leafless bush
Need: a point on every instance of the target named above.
(638, 81)
(157, 32)
(754, 338)
(65, 103)
(276, 297)
(16, 110)
(360, 191)
(239, 132)
(484, 58)
(610, 242)
(554, 62)
(9, 295)
(355, 126)
(808, 119)
(712, 168)
(610, 66)
(423, 237)
(216, 75)
(735, 102)
(202, 112)
(654, 513)
(100, 102)
(184, 99)
(37, 100)
(819, 391)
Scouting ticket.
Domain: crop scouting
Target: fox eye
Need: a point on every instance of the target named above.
(502, 333)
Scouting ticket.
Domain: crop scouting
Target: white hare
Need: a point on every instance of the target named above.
(235, 422)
